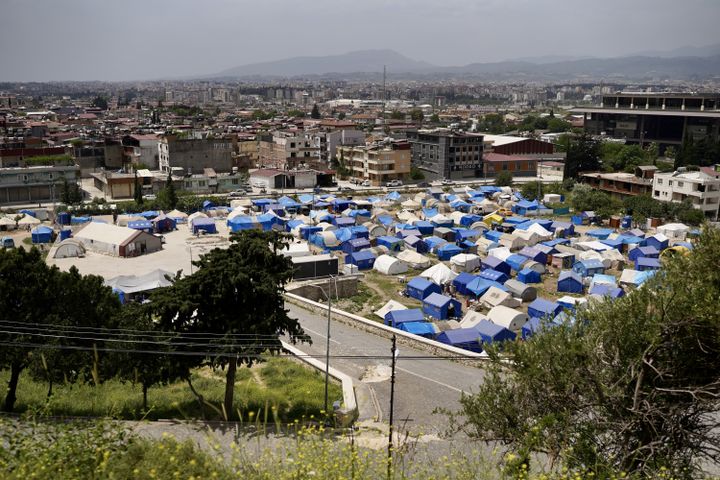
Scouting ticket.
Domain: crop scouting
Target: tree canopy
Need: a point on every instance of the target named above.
(583, 155)
(504, 179)
(630, 385)
(315, 113)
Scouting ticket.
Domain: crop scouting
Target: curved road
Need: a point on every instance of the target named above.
(421, 385)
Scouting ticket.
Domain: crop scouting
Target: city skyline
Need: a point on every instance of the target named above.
(84, 40)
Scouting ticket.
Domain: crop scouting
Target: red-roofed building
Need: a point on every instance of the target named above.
(517, 165)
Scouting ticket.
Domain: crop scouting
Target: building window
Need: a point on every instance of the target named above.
(657, 193)
(670, 183)
(201, 183)
(659, 181)
(680, 184)
(505, 166)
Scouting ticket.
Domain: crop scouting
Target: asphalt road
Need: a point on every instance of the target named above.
(421, 385)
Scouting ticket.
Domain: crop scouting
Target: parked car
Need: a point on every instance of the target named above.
(247, 188)
(345, 189)
(8, 242)
(447, 181)
(394, 183)
(366, 183)
(237, 193)
(149, 197)
(423, 184)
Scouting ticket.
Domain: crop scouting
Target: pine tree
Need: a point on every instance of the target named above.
(138, 191)
(315, 112)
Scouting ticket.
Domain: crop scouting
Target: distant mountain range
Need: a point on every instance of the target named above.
(680, 64)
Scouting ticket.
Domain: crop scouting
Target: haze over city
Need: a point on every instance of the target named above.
(159, 39)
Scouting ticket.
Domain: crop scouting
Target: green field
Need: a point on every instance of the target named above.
(278, 390)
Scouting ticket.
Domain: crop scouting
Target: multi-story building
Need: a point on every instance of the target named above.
(145, 150)
(193, 155)
(663, 118)
(286, 149)
(31, 184)
(701, 187)
(328, 142)
(517, 165)
(378, 163)
(622, 185)
(445, 154)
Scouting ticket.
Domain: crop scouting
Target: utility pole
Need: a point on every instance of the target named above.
(393, 351)
(327, 348)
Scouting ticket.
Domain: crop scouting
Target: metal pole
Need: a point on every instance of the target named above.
(327, 349)
(392, 405)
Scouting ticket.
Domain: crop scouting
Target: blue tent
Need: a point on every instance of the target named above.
(496, 264)
(355, 245)
(343, 221)
(408, 233)
(360, 215)
(516, 220)
(343, 234)
(648, 252)
(163, 223)
(445, 252)
(569, 282)
(441, 307)
(364, 259)
(536, 325)
(425, 228)
(460, 205)
(80, 219)
(461, 282)
(63, 218)
(143, 225)
(392, 243)
(534, 253)
(288, 202)
(542, 308)
(289, 225)
(342, 204)
(523, 207)
(565, 229)
(644, 263)
(396, 317)
(360, 231)
(628, 239)
(493, 235)
(416, 243)
(528, 276)
(465, 338)
(479, 286)
(659, 243)
(606, 291)
(422, 329)
(615, 243)
(434, 243)
(442, 223)
(466, 234)
(306, 198)
(555, 242)
(207, 204)
(206, 225)
(468, 220)
(149, 214)
(588, 268)
(392, 196)
(600, 233)
(492, 333)
(494, 275)
(429, 212)
(267, 220)
(41, 234)
(516, 262)
(468, 246)
(419, 288)
(307, 230)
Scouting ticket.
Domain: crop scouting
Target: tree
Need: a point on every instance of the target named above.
(631, 385)
(341, 116)
(397, 115)
(315, 113)
(557, 125)
(416, 173)
(434, 118)
(417, 115)
(167, 197)
(670, 152)
(100, 102)
(584, 198)
(236, 291)
(295, 113)
(532, 190)
(504, 179)
(583, 155)
(137, 191)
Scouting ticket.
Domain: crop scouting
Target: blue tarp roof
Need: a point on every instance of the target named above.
(393, 196)
(493, 235)
(42, 229)
(399, 316)
(606, 290)
(362, 255)
(493, 275)
(433, 242)
(600, 232)
(418, 328)
(491, 332)
(385, 219)
(591, 264)
(140, 225)
(262, 201)
(459, 335)
(545, 307)
(481, 285)
(647, 262)
(463, 279)
(630, 239)
(150, 214)
(437, 300)
(556, 242)
(306, 198)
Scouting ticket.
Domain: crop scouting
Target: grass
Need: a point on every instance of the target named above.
(374, 290)
(277, 390)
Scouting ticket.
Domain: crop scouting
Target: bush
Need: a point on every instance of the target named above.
(504, 179)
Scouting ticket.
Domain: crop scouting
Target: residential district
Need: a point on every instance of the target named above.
(450, 216)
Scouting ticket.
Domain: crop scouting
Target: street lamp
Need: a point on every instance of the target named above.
(327, 343)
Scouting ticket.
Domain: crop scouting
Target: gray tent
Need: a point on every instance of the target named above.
(521, 290)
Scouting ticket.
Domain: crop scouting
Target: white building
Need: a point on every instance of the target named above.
(701, 187)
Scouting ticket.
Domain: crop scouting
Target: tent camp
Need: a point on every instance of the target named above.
(674, 231)
(492, 333)
(414, 259)
(206, 225)
(496, 264)
(388, 265)
(119, 241)
(42, 234)
(441, 307)
(447, 251)
(364, 259)
(528, 275)
(471, 319)
(133, 284)
(419, 288)
(440, 274)
(507, 317)
(69, 248)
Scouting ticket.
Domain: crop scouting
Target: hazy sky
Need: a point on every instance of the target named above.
(144, 39)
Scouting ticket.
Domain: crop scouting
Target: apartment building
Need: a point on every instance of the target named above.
(193, 155)
(447, 154)
(378, 163)
(621, 184)
(33, 184)
(701, 187)
(286, 149)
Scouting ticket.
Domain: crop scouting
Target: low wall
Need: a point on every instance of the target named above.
(414, 341)
(340, 287)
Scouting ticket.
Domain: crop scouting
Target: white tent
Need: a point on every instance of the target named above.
(297, 249)
(410, 205)
(612, 258)
(28, 220)
(419, 197)
(534, 266)
(471, 319)
(500, 252)
(8, 223)
(551, 198)
(406, 216)
(512, 241)
(390, 306)
(241, 202)
(485, 244)
(457, 217)
(525, 292)
(508, 317)
(123, 220)
(494, 297)
(431, 202)
(414, 259)
(388, 265)
(329, 238)
(593, 245)
(674, 231)
(141, 283)
(196, 215)
(479, 226)
(590, 255)
(488, 206)
(439, 274)
(465, 262)
(540, 231)
(69, 248)
(528, 237)
(568, 300)
(440, 218)
(380, 250)
(177, 215)
(374, 229)
(327, 227)
(237, 212)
